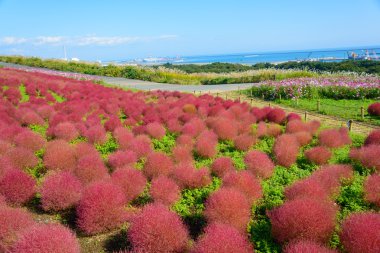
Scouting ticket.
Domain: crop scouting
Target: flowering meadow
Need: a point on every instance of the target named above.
(344, 87)
(88, 168)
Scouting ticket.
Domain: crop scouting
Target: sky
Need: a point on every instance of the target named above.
(128, 29)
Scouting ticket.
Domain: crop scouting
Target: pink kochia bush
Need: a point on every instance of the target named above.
(334, 138)
(101, 208)
(372, 189)
(374, 109)
(361, 233)
(66, 131)
(222, 165)
(276, 115)
(17, 187)
(59, 155)
(307, 188)
(155, 130)
(60, 191)
(165, 191)
(228, 206)
(206, 144)
(307, 246)
(122, 158)
(373, 138)
(286, 150)
(222, 238)
(182, 154)
(303, 219)
(13, 221)
(156, 229)
(259, 164)
(90, 168)
(368, 156)
(30, 140)
(22, 158)
(47, 238)
(187, 176)
(244, 142)
(245, 182)
(131, 181)
(158, 164)
(318, 155)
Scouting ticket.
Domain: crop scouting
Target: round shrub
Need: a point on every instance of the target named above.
(96, 135)
(372, 189)
(222, 165)
(22, 158)
(244, 142)
(156, 229)
(13, 221)
(303, 219)
(182, 154)
(17, 187)
(303, 138)
(307, 188)
(131, 181)
(293, 116)
(123, 137)
(276, 115)
(368, 156)
(30, 140)
(259, 163)
(373, 138)
(245, 182)
(101, 208)
(307, 246)
(158, 164)
(226, 129)
(46, 238)
(286, 150)
(222, 239)
(374, 109)
(334, 138)
(318, 155)
(60, 191)
(141, 145)
(155, 130)
(165, 191)
(90, 168)
(361, 233)
(59, 155)
(228, 206)
(122, 158)
(66, 131)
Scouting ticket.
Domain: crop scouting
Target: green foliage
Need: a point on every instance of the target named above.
(39, 129)
(57, 97)
(24, 94)
(166, 144)
(265, 145)
(226, 148)
(108, 147)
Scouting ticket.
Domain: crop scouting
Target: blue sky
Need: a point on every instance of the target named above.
(111, 30)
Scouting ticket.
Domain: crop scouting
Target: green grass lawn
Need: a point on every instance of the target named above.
(347, 109)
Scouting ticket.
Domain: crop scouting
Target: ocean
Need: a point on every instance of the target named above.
(271, 57)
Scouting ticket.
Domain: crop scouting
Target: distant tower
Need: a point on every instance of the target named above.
(64, 52)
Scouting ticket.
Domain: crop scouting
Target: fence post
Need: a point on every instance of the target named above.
(226, 96)
(349, 124)
(251, 101)
(318, 105)
(305, 116)
(269, 104)
(362, 112)
(263, 97)
(217, 94)
(251, 93)
(194, 91)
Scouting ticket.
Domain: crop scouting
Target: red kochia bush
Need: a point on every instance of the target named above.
(141, 145)
(47, 238)
(101, 208)
(303, 138)
(373, 138)
(259, 164)
(22, 158)
(182, 154)
(276, 115)
(30, 140)
(155, 130)
(303, 219)
(318, 155)
(307, 246)
(96, 135)
(361, 233)
(165, 191)
(123, 136)
(90, 168)
(60, 191)
(334, 138)
(372, 189)
(131, 181)
(228, 206)
(226, 129)
(368, 156)
(158, 164)
(286, 150)
(244, 142)
(222, 238)
(374, 109)
(156, 229)
(206, 144)
(66, 131)
(122, 158)
(222, 165)
(293, 116)
(307, 188)
(12, 222)
(59, 155)
(245, 182)
(17, 187)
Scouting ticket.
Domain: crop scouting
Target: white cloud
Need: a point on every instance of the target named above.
(83, 40)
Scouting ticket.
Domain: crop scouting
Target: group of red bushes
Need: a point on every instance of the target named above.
(71, 174)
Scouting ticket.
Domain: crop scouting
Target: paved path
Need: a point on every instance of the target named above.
(144, 85)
